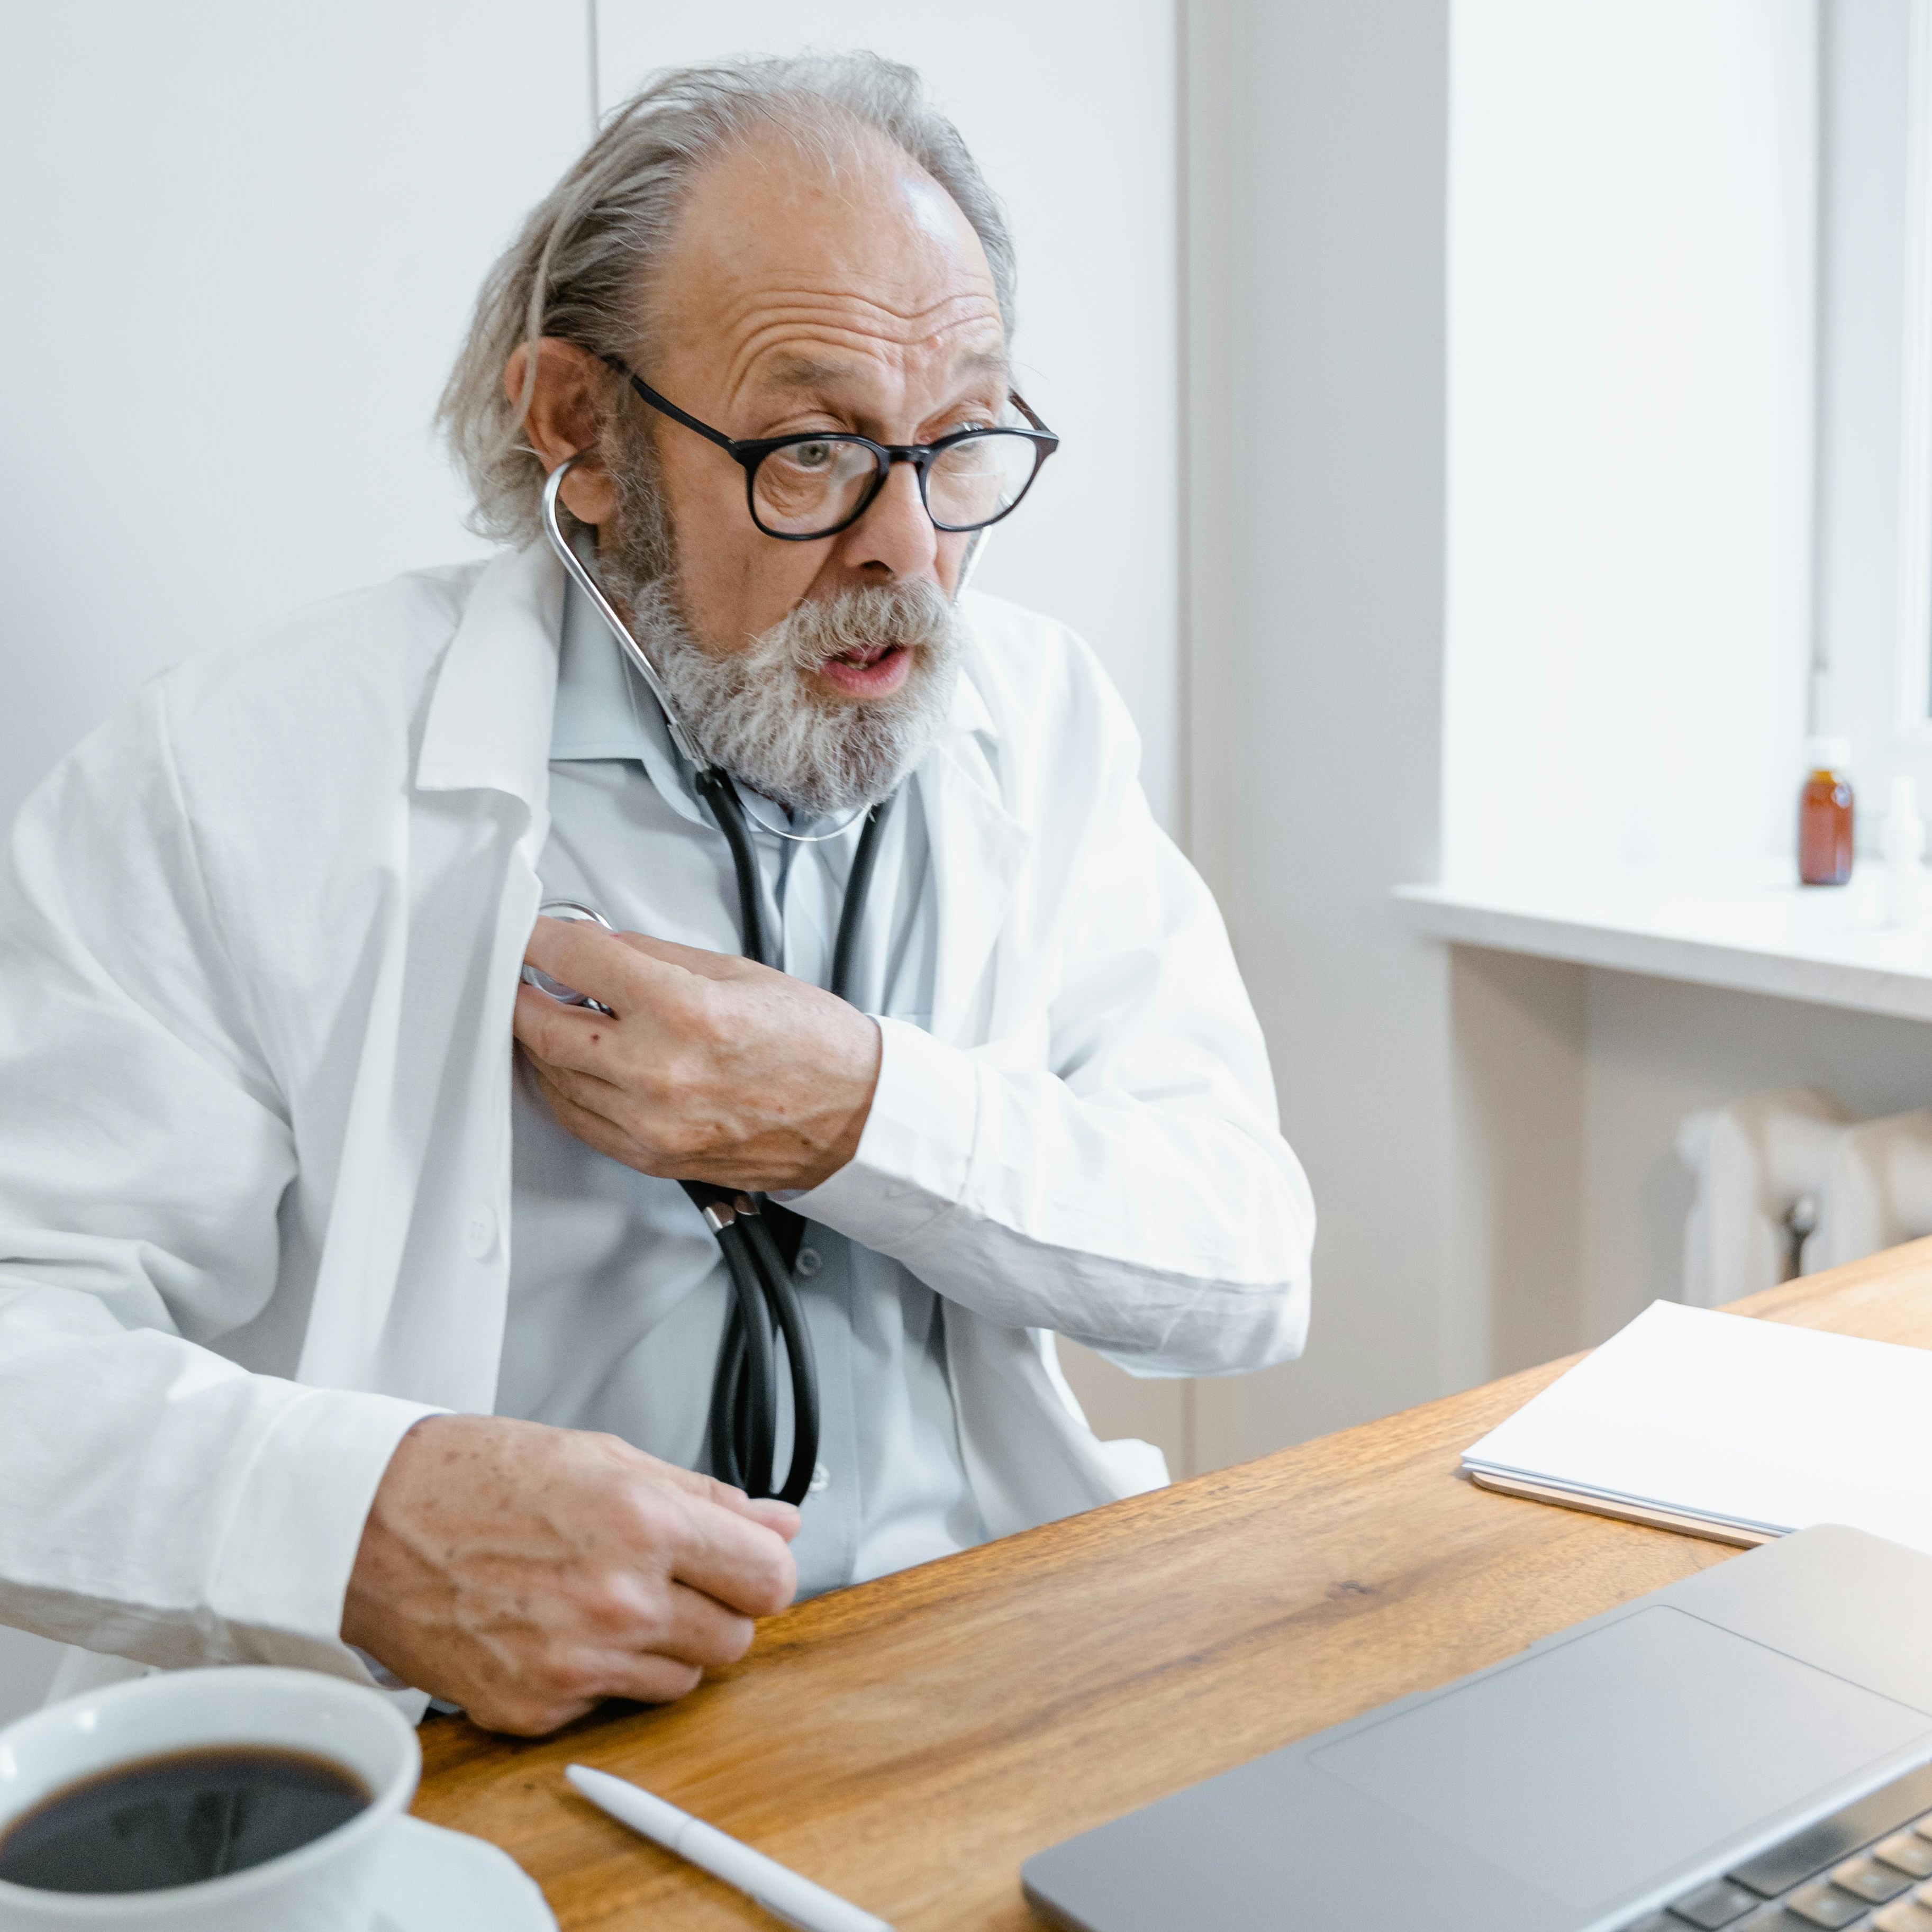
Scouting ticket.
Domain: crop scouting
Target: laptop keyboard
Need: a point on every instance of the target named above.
(1867, 1868)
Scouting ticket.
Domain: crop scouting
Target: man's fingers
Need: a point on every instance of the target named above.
(585, 956)
(601, 1135)
(564, 1036)
(746, 1567)
(782, 1517)
(565, 1087)
(774, 1515)
(700, 1630)
(583, 1084)
(649, 1679)
(556, 1033)
(692, 958)
(527, 1715)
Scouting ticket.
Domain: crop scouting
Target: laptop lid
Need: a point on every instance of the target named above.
(1602, 1771)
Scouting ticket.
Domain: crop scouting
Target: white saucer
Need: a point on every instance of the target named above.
(439, 1881)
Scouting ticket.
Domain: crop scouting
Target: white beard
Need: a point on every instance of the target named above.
(756, 713)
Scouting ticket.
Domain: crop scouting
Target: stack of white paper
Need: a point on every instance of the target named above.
(1740, 1425)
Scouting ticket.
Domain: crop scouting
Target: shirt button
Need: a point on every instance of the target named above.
(810, 1261)
(479, 1233)
(821, 1479)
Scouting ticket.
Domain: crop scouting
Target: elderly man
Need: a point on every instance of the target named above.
(333, 1332)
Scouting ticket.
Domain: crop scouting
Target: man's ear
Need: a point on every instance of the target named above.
(566, 414)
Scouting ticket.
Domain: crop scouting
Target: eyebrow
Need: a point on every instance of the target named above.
(806, 372)
(802, 372)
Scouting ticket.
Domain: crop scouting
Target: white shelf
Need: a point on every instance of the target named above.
(1755, 931)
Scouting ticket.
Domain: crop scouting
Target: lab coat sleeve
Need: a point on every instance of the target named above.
(1133, 1193)
(158, 1501)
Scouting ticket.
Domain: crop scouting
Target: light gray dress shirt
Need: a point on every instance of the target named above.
(617, 1295)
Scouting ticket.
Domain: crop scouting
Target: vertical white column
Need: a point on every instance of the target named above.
(1317, 148)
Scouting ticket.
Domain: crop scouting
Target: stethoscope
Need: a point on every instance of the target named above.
(757, 1239)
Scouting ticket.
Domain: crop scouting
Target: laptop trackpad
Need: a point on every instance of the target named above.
(1611, 1760)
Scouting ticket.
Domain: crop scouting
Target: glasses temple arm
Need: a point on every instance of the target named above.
(665, 406)
(1020, 403)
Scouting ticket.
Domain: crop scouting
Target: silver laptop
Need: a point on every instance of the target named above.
(1750, 1748)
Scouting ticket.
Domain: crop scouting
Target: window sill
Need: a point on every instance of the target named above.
(1748, 931)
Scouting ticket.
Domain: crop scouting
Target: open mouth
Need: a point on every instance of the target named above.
(871, 671)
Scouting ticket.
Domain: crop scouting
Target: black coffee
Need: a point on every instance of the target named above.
(172, 1820)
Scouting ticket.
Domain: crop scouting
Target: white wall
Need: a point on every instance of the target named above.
(241, 242)
(1631, 306)
(1070, 109)
(1316, 152)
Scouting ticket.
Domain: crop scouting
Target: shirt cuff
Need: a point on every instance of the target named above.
(281, 1569)
(916, 1150)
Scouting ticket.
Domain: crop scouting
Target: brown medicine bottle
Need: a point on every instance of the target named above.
(1825, 813)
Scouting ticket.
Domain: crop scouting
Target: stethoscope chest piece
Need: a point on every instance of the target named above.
(573, 910)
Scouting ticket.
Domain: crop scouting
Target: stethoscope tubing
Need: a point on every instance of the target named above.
(740, 1433)
(742, 1423)
(742, 1429)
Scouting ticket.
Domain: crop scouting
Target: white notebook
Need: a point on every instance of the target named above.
(1729, 1427)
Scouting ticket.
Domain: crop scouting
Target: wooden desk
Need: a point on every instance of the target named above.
(910, 1742)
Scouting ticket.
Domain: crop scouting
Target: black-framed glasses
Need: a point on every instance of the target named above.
(799, 488)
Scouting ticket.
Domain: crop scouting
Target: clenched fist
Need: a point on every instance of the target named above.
(527, 1572)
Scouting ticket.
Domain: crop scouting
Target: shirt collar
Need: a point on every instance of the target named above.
(489, 713)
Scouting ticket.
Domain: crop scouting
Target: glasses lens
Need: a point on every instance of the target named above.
(979, 478)
(804, 488)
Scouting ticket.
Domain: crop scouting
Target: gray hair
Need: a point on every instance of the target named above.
(582, 265)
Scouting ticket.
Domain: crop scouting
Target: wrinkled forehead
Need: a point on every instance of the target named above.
(784, 249)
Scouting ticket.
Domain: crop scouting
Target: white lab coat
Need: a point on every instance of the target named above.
(260, 939)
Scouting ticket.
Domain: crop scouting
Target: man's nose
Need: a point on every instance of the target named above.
(894, 535)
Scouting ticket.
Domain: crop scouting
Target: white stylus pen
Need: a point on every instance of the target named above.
(782, 1893)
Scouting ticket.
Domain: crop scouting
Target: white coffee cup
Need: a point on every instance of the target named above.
(328, 1884)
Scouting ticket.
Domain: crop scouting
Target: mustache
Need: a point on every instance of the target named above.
(914, 616)
(756, 710)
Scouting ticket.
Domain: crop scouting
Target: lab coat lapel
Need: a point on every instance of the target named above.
(435, 1059)
(488, 726)
(978, 849)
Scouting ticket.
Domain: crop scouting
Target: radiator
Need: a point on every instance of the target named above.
(1787, 1183)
